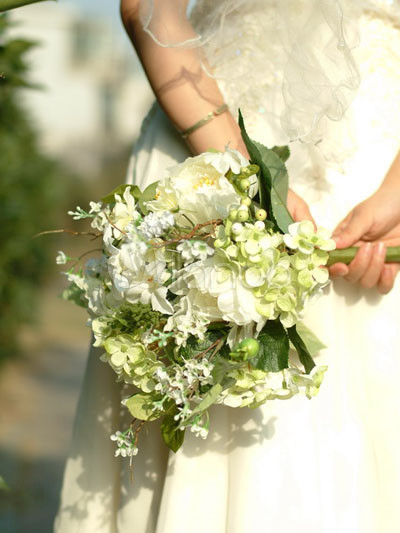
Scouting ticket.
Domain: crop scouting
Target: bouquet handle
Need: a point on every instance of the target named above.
(347, 255)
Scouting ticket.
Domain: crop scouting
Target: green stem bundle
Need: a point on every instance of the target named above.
(347, 255)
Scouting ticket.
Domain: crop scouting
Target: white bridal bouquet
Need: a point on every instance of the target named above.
(196, 295)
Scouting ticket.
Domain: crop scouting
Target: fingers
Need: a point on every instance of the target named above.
(373, 273)
(298, 208)
(388, 276)
(352, 228)
(368, 268)
(338, 270)
(359, 266)
(302, 212)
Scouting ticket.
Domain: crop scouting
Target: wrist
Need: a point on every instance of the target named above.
(221, 132)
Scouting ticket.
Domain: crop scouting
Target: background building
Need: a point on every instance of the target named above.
(95, 94)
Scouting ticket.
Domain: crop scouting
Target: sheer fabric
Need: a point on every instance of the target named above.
(250, 46)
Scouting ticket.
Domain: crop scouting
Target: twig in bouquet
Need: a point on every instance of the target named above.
(115, 227)
(85, 254)
(213, 345)
(192, 233)
(70, 232)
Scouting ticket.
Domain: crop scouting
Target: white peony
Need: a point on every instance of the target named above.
(198, 187)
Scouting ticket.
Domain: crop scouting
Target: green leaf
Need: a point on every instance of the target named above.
(140, 406)
(265, 181)
(209, 399)
(5, 5)
(195, 346)
(3, 484)
(221, 368)
(273, 355)
(313, 344)
(282, 151)
(304, 355)
(273, 178)
(135, 192)
(172, 435)
(148, 194)
(75, 295)
(279, 186)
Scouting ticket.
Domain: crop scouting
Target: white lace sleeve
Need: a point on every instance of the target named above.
(251, 46)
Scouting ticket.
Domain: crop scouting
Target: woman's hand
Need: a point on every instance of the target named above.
(372, 225)
(298, 208)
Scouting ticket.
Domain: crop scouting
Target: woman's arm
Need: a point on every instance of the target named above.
(185, 92)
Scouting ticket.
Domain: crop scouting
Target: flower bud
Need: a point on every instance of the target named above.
(246, 201)
(261, 214)
(249, 170)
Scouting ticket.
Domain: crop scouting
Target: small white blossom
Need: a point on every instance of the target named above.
(61, 258)
(125, 442)
(156, 224)
(80, 213)
(199, 431)
(302, 236)
(192, 250)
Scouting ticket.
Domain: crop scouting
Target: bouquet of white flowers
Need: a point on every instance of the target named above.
(197, 295)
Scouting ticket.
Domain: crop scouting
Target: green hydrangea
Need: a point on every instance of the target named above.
(131, 361)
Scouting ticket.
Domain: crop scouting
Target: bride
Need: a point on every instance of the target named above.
(323, 466)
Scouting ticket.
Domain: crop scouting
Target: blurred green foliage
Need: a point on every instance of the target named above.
(31, 189)
(5, 5)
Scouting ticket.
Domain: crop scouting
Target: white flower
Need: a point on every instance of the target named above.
(156, 224)
(121, 219)
(188, 319)
(302, 236)
(61, 258)
(126, 443)
(192, 250)
(199, 431)
(223, 161)
(137, 280)
(198, 187)
(214, 277)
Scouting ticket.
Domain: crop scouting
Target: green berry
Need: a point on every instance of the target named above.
(261, 214)
(247, 349)
(243, 185)
(246, 201)
(233, 214)
(243, 216)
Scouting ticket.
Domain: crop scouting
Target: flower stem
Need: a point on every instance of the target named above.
(347, 255)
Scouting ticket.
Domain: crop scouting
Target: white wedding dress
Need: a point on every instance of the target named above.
(327, 465)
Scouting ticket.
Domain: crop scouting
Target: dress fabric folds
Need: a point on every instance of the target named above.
(324, 465)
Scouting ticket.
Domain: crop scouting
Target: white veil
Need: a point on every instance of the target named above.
(253, 45)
